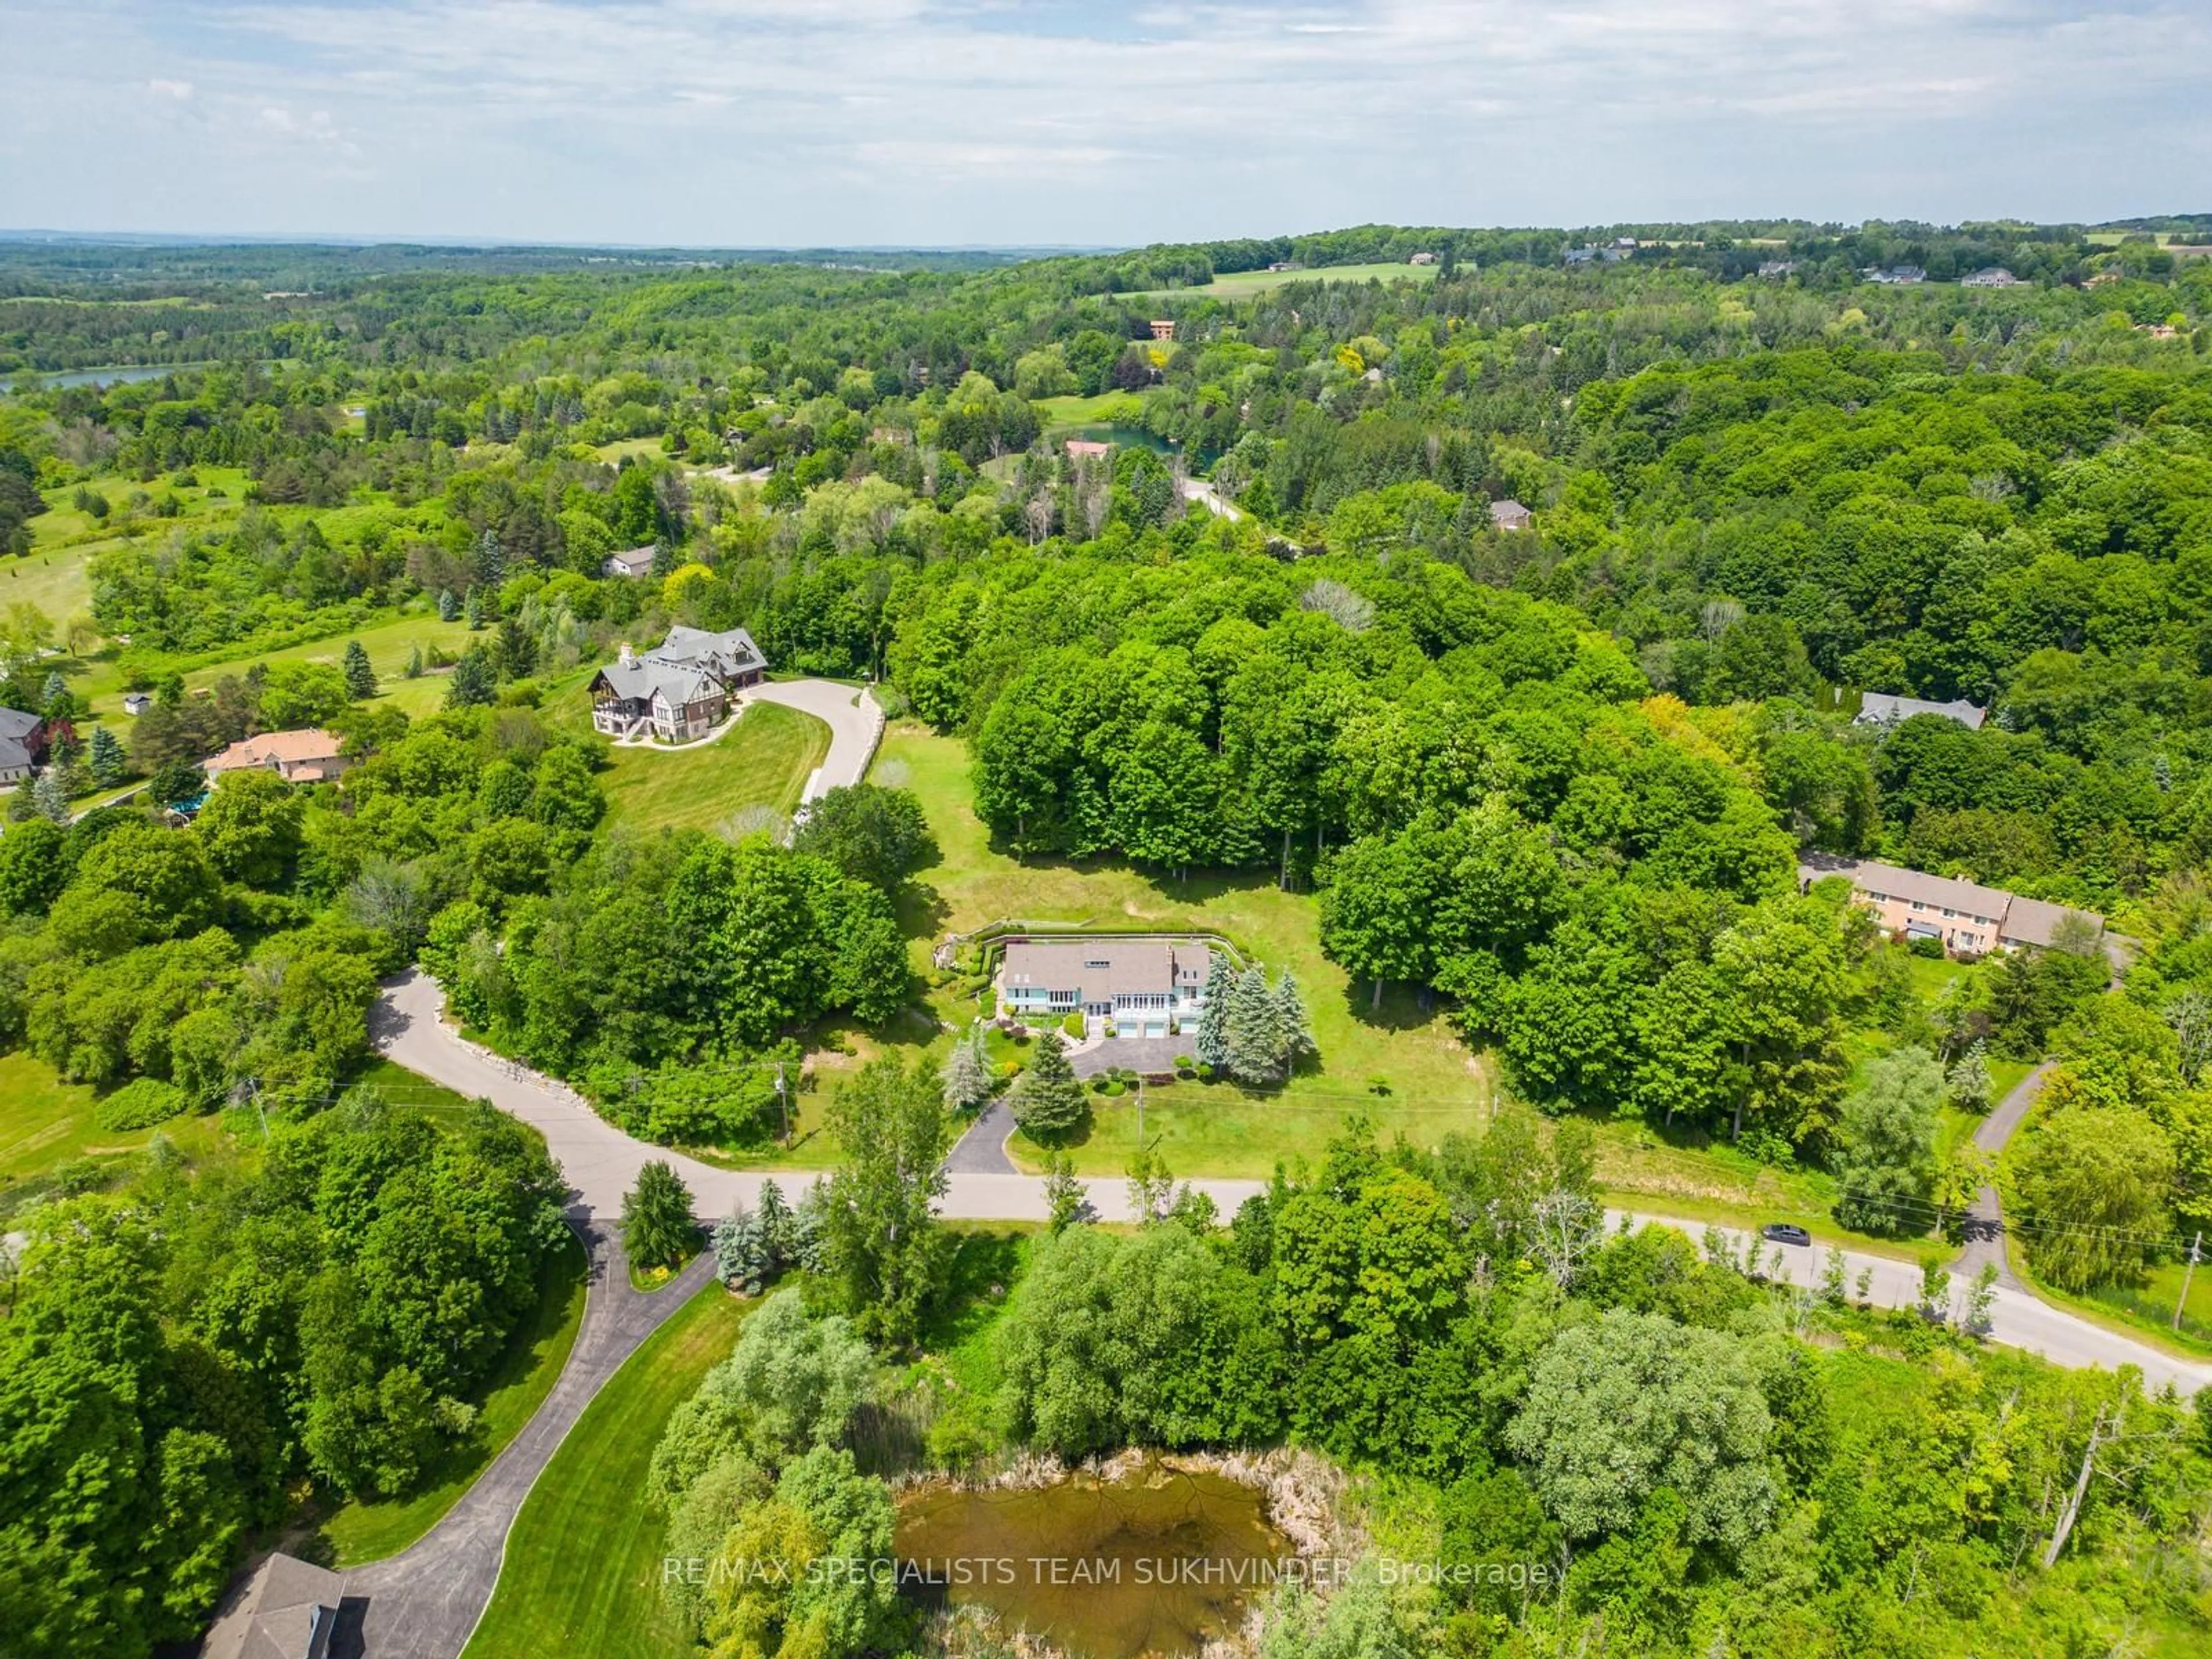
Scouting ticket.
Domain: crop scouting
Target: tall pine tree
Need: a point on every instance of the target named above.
(968, 1071)
(360, 677)
(1213, 1048)
(1048, 1102)
(1292, 1026)
(109, 765)
(1256, 1045)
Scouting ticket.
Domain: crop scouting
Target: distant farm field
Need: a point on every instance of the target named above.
(1243, 284)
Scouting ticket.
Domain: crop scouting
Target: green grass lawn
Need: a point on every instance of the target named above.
(45, 1122)
(765, 762)
(1435, 1083)
(535, 1355)
(1107, 408)
(1243, 284)
(582, 1570)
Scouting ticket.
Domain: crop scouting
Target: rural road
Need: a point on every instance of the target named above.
(855, 724)
(602, 1164)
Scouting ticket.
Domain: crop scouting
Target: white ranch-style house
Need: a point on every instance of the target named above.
(1146, 987)
(679, 691)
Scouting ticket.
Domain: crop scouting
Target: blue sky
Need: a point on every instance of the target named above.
(936, 121)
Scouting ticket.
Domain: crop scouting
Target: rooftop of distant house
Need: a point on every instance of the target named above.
(1509, 514)
(1886, 708)
(306, 746)
(2018, 920)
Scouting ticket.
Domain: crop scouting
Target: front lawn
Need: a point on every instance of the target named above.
(364, 1531)
(582, 1569)
(1435, 1084)
(764, 761)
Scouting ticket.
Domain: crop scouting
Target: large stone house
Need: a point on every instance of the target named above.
(1969, 918)
(1148, 987)
(679, 690)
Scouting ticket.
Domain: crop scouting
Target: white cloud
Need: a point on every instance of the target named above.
(889, 120)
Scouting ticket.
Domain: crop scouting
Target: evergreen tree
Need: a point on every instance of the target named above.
(472, 609)
(664, 559)
(1256, 1043)
(1291, 1024)
(109, 763)
(777, 1226)
(657, 1228)
(55, 699)
(23, 802)
(1049, 1101)
(810, 1236)
(1968, 1084)
(740, 1251)
(449, 608)
(360, 677)
(518, 651)
(414, 669)
(490, 560)
(968, 1071)
(474, 681)
(1212, 1046)
(52, 795)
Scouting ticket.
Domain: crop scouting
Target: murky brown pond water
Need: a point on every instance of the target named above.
(1155, 1562)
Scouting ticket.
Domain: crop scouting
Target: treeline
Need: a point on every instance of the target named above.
(184, 1355)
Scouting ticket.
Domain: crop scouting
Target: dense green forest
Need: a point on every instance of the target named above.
(1554, 778)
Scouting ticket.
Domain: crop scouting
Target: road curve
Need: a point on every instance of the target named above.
(855, 721)
(424, 1603)
(602, 1164)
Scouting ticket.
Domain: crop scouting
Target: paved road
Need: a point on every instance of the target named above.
(424, 1603)
(602, 1163)
(855, 721)
(1985, 1225)
(1203, 492)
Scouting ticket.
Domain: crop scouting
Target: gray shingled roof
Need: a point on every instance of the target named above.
(725, 655)
(15, 729)
(1132, 966)
(1887, 709)
(636, 681)
(286, 1608)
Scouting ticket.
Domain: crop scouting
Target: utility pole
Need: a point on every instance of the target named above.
(782, 1103)
(2196, 1246)
(1141, 1120)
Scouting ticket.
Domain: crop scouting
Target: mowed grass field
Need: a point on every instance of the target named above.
(582, 1570)
(1243, 284)
(1071, 413)
(362, 1532)
(1435, 1084)
(764, 761)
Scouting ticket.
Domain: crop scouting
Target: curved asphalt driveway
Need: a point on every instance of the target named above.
(854, 722)
(1984, 1225)
(424, 1603)
(602, 1164)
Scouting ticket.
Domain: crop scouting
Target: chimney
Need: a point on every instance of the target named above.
(627, 656)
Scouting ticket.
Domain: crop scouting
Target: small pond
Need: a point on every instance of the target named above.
(1155, 1561)
(119, 376)
(1128, 437)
